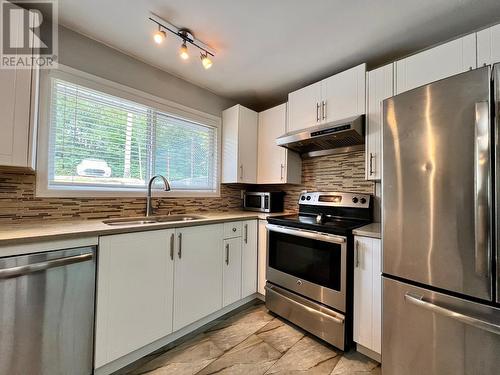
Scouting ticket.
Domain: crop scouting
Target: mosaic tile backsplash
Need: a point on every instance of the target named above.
(18, 202)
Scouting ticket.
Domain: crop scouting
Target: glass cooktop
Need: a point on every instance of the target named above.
(329, 225)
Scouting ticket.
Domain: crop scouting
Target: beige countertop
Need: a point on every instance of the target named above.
(22, 233)
(371, 230)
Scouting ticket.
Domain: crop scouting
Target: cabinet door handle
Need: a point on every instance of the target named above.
(179, 253)
(227, 254)
(323, 109)
(372, 156)
(172, 236)
(357, 254)
(246, 233)
(282, 170)
(241, 171)
(317, 112)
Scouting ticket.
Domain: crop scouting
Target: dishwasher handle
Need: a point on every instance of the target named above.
(8, 273)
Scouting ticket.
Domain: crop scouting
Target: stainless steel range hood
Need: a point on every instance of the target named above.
(333, 138)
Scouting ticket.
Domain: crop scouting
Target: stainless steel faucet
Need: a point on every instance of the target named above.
(149, 208)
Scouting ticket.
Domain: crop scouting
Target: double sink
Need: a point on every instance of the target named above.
(153, 219)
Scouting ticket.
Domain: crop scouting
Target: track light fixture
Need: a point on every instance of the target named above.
(205, 60)
(187, 37)
(159, 36)
(183, 51)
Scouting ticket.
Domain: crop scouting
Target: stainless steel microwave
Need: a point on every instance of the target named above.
(263, 201)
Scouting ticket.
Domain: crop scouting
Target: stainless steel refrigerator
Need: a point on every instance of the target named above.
(441, 297)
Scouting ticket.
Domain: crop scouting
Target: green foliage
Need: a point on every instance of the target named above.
(94, 126)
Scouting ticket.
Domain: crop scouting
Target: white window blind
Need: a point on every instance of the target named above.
(101, 141)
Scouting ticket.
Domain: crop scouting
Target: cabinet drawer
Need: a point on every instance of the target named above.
(232, 229)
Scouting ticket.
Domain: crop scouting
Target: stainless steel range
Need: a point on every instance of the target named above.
(310, 263)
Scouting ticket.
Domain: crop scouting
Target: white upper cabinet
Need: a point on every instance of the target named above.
(239, 145)
(18, 111)
(304, 107)
(488, 46)
(380, 86)
(334, 98)
(197, 273)
(249, 259)
(276, 165)
(134, 292)
(436, 63)
(343, 95)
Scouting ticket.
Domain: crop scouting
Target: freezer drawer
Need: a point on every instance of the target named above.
(47, 312)
(431, 333)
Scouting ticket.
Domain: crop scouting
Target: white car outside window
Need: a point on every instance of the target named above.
(93, 168)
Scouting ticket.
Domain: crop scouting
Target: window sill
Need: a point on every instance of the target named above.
(121, 193)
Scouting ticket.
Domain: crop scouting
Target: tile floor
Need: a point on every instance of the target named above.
(255, 342)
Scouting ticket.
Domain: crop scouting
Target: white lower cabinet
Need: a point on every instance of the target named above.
(249, 258)
(198, 273)
(153, 283)
(262, 257)
(134, 293)
(367, 293)
(231, 274)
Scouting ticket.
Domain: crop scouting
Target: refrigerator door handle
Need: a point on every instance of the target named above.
(418, 300)
(482, 199)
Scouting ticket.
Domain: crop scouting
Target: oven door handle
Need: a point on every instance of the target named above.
(312, 235)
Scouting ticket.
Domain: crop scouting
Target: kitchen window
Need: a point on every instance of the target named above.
(102, 143)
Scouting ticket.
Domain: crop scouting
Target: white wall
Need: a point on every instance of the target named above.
(88, 55)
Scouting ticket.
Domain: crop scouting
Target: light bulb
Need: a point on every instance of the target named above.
(205, 61)
(159, 36)
(183, 51)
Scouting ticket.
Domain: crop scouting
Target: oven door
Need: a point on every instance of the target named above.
(309, 263)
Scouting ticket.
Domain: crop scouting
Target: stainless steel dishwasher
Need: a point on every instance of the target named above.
(47, 312)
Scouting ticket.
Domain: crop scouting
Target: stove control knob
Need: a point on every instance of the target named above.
(363, 200)
(308, 197)
(355, 200)
(303, 198)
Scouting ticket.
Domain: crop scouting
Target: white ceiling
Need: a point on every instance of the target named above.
(267, 48)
